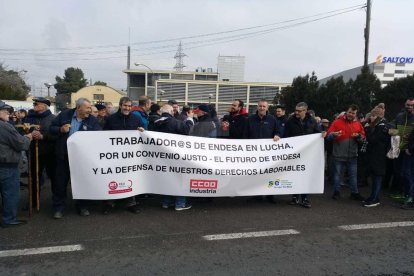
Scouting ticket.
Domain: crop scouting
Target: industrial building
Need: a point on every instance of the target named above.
(194, 88)
(385, 68)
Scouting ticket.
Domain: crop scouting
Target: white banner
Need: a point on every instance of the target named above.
(120, 164)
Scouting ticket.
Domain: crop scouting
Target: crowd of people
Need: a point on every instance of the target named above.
(357, 148)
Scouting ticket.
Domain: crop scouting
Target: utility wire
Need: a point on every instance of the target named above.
(203, 43)
(20, 51)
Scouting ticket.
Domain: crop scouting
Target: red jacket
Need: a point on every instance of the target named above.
(345, 146)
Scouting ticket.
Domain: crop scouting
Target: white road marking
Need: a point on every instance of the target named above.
(376, 225)
(250, 235)
(41, 250)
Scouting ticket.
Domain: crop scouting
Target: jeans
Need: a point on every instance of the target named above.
(407, 173)
(10, 192)
(376, 187)
(179, 201)
(351, 166)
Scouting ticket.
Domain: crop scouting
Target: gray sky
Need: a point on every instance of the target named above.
(94, 36)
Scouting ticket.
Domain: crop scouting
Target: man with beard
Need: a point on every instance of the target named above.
(45, 143)
(346, 133)
(233, 124)
(123, 119)
(402, 125)
(101, 114)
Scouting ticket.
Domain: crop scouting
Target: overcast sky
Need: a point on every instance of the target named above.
(46, 37)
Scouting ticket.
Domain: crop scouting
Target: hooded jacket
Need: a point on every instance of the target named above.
(237, 123)
(142, 115)
(345, 147)
(378, 144)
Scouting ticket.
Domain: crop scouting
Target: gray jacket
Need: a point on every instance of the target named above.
(11, 145)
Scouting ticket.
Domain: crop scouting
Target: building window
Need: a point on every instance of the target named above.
(98, 97)
(389, 75)
(400, 72)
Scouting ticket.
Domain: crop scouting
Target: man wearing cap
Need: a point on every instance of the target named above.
(176, 108)
(101, 114)
(11, 146)
(233, 124)
(205, 126)
(65, 124)
(43, 141)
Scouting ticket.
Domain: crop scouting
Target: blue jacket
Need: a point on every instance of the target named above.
(261, 128)
(119, 121)
(142, 115)
(65, 117)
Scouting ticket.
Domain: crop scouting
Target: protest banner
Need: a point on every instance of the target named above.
(120, 164)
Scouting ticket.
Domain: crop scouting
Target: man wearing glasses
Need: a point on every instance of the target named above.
(300, 124)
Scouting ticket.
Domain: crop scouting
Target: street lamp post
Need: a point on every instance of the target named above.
(161, 93)
(140, 64)
(152, 74)
(209, 98)
(48, 85)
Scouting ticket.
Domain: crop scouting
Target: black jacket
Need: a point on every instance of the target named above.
(44, 120)
(65, 117)
(282, 122)
(261, 128)
(152, 117)
(119, 121)
(296, 127)
(237, 124)
(205, 127)
(379, 142)
(169, 124)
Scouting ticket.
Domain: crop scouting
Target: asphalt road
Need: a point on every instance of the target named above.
(166, 242)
